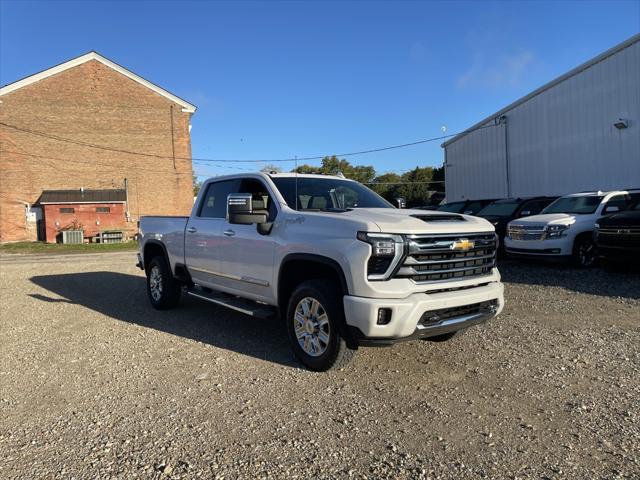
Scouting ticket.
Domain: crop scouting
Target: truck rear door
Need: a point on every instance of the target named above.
(204, 231)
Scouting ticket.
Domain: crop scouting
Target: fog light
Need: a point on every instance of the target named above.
(384, 316)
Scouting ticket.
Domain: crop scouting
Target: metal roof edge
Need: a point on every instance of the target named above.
(584, 66)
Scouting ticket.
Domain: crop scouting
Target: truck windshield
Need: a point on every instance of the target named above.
(580, 205)
(499, 209)
(326, 194)
(455, 207)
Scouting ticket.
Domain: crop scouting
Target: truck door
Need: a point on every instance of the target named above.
(246, 259)
(204, 232)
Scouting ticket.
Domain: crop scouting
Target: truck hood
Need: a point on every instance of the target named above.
(548, 219)
(411, 221)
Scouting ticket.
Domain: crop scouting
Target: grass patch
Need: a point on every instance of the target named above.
(59, 248)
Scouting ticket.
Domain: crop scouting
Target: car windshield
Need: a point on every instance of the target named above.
(579, 205)
(455, 207)
(326, 194)
(499, 209)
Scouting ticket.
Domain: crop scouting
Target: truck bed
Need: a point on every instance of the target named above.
(167, 230)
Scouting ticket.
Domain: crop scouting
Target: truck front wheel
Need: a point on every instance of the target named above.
(314, 319)
(164, 292)
(585, 252)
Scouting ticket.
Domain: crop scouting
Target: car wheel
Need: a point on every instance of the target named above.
(585, 252)
(444, 337)
(314, 319)
(163, 291)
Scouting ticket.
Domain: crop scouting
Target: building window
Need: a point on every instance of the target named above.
(103, 209)
(67, 210)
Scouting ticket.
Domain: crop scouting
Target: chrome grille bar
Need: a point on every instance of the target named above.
(433, 258)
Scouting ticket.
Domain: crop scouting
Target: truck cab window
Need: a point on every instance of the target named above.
(214, 202)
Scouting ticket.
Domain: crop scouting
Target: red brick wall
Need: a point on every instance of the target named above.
(94, 104)
(84, 215)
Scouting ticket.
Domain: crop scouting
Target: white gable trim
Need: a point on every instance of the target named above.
(186, 106)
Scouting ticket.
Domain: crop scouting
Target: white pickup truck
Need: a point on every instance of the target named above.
(339, 264)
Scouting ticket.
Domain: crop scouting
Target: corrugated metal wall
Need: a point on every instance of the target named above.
(559, 141)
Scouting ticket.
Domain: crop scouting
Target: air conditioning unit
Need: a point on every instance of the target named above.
(72, 236)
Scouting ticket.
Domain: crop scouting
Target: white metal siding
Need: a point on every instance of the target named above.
(560, 141)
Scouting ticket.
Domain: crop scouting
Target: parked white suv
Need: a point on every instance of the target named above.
(564, 229)
(340, 264)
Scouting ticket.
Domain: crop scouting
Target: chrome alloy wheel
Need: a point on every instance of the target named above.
(155, 283)
(311, 325)
(587, 254)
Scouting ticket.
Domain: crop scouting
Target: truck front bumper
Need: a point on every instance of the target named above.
(557, 247)
(421, 315)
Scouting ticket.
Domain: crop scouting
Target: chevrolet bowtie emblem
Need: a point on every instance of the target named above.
(462, 245)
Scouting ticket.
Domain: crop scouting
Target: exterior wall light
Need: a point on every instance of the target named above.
(621, 123)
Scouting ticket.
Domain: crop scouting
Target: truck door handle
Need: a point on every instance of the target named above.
(229, 233)
(192, 229)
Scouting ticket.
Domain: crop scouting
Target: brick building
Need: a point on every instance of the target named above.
(90, 124)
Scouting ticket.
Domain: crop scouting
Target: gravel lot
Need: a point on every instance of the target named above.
(96, 384)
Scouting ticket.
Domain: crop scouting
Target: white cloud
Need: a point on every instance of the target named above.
(496, 72)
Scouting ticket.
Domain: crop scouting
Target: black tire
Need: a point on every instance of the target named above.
(444, 337)
(167, 293)
(585, 252)
(331, 354)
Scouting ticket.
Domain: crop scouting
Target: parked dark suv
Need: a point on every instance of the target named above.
(467, 207)
(501, 212)
(618, 235)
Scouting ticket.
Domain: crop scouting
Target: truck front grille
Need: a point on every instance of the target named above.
(623, 236)
(526, 232)
(433, 258)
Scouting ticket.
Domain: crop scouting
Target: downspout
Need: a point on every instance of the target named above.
(503, 120)
(127, 214)
(173, 143)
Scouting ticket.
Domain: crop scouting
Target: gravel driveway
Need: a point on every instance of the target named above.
(96, 384)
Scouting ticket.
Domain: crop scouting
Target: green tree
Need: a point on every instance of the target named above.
(196, 186)
(387, 186)
(416, 186)
(271, 168)
(334, 165)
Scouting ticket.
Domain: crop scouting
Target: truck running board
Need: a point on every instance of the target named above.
(241, 305)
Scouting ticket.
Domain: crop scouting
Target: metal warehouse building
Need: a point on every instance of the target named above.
(579, 132)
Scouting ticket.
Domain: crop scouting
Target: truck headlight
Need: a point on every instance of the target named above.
(555, 231)
(386, 252)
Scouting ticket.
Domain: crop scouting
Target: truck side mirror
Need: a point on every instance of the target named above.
(240, 210)
(525, 213)
(611, 209)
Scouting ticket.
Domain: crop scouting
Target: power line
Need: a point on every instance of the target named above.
(220, 160)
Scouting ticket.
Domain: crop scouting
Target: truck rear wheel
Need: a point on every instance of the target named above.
(164, 292)
(314, 319)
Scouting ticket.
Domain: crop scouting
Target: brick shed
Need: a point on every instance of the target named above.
(90, 124)
(93, 211)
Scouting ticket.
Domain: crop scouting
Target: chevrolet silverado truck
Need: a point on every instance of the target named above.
(337, 263)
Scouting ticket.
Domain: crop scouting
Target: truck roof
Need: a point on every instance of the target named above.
(306, 175)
